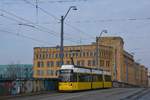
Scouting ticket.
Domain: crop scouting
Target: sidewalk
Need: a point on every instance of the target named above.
(26, 94)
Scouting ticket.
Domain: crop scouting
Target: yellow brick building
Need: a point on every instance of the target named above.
(117, 44)
(109, 51)
(126, 70)
(47, 59)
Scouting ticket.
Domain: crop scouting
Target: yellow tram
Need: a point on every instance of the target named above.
(76, 78)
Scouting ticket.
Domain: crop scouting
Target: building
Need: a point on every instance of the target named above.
(126, 70)
(144, 76)
(117, 44)
(16, 71)
(107, 53)
(47, 59)
(149, 78)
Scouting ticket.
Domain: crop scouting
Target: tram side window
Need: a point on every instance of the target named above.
(100, 78)
(74, 77)
(84, 77)
(107, 78)
(95, 78)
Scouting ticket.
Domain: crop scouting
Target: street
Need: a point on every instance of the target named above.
(102, 94)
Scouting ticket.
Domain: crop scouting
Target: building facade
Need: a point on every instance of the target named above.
(47, 59)
(107, 53)
(149, 78)
(126, 70)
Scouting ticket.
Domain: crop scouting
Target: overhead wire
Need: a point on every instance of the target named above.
(39, 27)
(112, 20)
(25, 20)
(24, 36)
(53, 16)
(41, 9)
(36, 11)
(44, 1)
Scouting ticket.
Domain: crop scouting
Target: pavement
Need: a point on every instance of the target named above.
(101, 94)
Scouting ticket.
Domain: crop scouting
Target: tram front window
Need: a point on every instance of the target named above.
(66, 75)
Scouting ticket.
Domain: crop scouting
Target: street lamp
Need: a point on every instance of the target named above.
(26, 25)
(97, 47)
(62, 34)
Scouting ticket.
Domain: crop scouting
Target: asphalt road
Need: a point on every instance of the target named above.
(102, 94)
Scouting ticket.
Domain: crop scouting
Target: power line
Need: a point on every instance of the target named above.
(8, 2)
(73, 27)
(113, 20)
(32, 24)
(25, 20)
(24, 36)
(2, 15)
(78, 30)
(36, 11)
(41, 9)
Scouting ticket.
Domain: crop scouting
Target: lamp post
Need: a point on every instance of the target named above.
(97, 47)
(62, 34)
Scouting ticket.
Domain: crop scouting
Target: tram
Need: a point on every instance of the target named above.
(76, 78)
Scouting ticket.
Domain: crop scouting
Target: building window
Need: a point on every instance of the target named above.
(66, 55)
(57, 72)
(93, 63)
(52, 56)
(91, 54)
(83, 54)
(82, 62)
(87, 54)
(40, 64)
(47, 56)
(40, 72)
(94, 54)
(107, 63)
(76, 54)
(70, 55)
(54, 72)
(89, 62)
(43, 57)
(101, 63)
(56, 55)
(36, 56)
(40, 56)
(68, 62)
(50, 64)
(58, 63)
(49, 72)
(80, 54)
(78, 63)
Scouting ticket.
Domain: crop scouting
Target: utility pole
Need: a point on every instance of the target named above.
(62, 41)
(97, 48)
(62, 35)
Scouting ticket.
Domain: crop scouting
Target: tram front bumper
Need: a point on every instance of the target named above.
(65, 86)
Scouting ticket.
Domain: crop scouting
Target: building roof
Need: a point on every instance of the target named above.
(75, 46)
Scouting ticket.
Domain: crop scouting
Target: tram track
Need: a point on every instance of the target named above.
(137, 95)
(103, 93)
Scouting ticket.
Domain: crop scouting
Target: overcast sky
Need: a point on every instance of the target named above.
(129, 19)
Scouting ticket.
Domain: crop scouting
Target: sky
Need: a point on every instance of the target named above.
(23, 27)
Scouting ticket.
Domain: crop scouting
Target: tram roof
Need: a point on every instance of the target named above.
(76, 66)
(83, 69)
